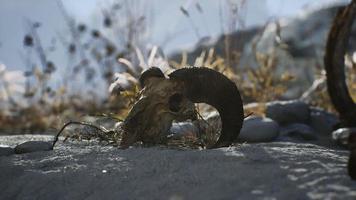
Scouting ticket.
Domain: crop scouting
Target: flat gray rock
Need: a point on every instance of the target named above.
(258, 129)
(14, 140)
(6, 151)
(287, 112)
(33, 146)
(86, 170)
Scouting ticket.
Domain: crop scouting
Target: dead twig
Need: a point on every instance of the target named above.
(101, 129)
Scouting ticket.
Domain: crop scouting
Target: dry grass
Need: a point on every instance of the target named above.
(94, 57)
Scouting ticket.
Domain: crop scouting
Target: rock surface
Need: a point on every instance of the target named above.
(258, 129)
(83, 170)
(287, 112)
(33, 146)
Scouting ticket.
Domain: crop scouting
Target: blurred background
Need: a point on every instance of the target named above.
(63, 59)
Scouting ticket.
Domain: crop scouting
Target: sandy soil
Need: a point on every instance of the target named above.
(82, 170)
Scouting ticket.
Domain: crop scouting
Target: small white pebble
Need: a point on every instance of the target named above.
(256, 192)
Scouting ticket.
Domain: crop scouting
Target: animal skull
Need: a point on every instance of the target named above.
(163, 100)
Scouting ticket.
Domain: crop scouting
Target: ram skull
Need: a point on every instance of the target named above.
(163, 100)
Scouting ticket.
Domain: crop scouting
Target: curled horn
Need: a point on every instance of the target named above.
(203, 85)
(149, 73)
(335, 64)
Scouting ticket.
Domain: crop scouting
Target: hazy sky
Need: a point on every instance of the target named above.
(168, 19)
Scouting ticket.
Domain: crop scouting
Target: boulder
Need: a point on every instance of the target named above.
(181, 129)
(33, 146)
(287, 112)
(258, 129)
(341, 136)
(255, 129)
(213, 119)
(322, 121)
(299, 131)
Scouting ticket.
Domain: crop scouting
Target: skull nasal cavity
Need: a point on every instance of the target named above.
(175, 101)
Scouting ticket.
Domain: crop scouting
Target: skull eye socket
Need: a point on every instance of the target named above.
(175, 101)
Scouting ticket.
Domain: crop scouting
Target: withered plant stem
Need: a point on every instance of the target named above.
(79, 123)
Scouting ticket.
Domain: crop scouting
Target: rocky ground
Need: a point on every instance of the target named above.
(87, 170)
(292, 152)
